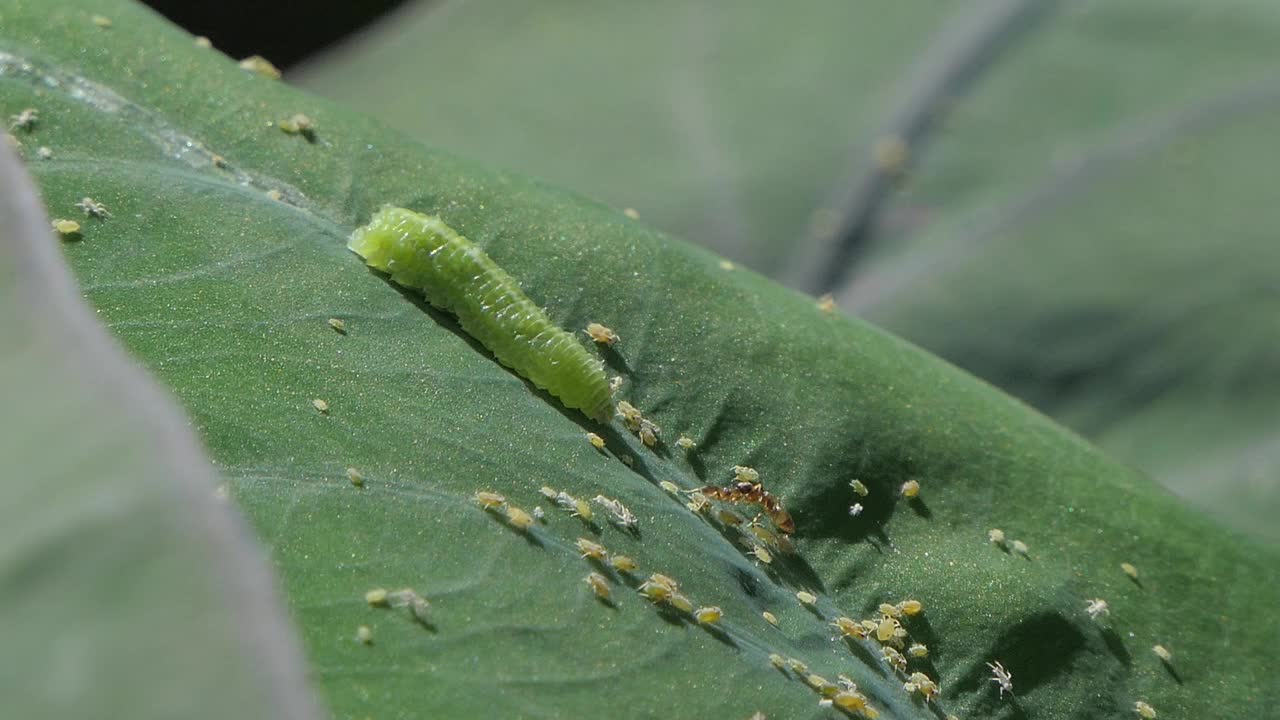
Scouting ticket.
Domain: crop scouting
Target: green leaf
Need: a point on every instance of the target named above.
(225, 294)
(1099, 242)
(127, 589)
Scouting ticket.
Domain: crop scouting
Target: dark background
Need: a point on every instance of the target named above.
(283, 33)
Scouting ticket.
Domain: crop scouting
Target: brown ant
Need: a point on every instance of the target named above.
(754, 493)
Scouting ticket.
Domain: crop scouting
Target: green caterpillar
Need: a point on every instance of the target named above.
(422, 252)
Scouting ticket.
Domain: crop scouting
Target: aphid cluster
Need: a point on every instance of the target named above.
(494, 502)
(577, 507)
(660, 589)
(921, 683)
(646, 429)
(842, 694)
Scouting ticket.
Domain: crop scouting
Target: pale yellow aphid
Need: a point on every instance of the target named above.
(918, 650)
(911, 608)
(490, 500)
(870, 713)
(1129, 570)
(847, 700)
(870, 625)
(261, 66)
(762, 533)
(665, 581)
(298, 124)
(762, 554)
(93, 208)
(797, 667)
(727, 265)
(65, 227)
(599, 585)
(995, 536)
(821, 684)
(859, 488)
(24, 120)
(698, 503)
(377, 597)
(364, 635)
(355, 477)
(910, 489)
(596, 441)
(849, 627)
(631, 213)
(728, 517)
(1163, 653)
(592, 550)
(669, 487)
(655, 592)
(891, 155)
(649, 433)
(321, 405)
(777, 660)
(708, 615)
(885, 628)
(101, 21)
(743, 473)
(518, 518)
(770, 618)
(806, 597)
(203, 42)
(617, 511)
(601, 334)
(549, 493)
(827, 303)
(685, 443)
(1144, 710)
(630, 415)
(339, 325)
(895, 659)
(622, 563)
(1020, 547)
(890, 610)
(680, 602)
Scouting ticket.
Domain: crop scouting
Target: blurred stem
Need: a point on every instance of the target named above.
(959, 56)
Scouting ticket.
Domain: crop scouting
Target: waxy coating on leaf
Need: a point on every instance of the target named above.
(423, 253)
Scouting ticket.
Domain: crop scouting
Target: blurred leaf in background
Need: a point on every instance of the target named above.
(128, 587)
(1098, 237)
(1083, 221)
